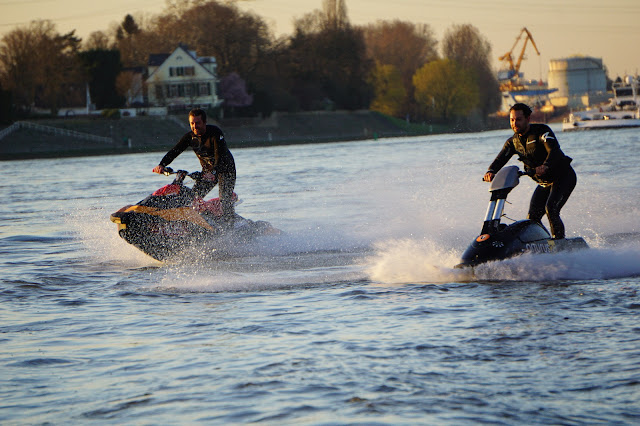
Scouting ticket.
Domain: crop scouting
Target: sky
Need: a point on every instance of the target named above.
(606, 29)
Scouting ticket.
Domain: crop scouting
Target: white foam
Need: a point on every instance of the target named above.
(409, 261)
(100, 237)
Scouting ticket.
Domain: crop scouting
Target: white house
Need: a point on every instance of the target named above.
(182, 80)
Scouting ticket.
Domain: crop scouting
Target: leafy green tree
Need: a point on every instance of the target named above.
(445, 90)
(390, 94)
(465, 45)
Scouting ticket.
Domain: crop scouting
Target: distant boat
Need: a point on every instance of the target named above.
(623, 110)
(533, 93)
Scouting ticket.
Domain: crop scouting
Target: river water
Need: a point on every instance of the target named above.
(355, 315)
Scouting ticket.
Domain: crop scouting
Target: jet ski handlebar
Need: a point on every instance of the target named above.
(530, 172)
(168, 171)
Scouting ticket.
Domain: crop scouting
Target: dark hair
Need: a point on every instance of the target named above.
(526, 111)
(198, 112)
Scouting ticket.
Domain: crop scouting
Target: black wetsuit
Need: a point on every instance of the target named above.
(214, 156)
(536, 147)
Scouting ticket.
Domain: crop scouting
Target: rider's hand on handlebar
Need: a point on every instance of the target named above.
(158, 169)
(488, 177)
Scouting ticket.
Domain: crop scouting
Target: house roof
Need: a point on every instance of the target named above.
(157, 59)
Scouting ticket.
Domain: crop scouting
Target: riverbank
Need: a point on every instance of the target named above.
(100, 136)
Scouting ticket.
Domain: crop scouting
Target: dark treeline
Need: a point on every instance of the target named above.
(394, 67)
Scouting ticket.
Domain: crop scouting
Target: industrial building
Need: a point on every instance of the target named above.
(581, 81)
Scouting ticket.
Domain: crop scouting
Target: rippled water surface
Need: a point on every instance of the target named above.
(354, 315)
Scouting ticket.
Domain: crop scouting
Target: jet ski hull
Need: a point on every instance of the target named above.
(523, 236)
(163, 239)
(172, 219)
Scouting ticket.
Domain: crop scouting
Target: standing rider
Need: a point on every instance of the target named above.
(218, 165)
(539, 150)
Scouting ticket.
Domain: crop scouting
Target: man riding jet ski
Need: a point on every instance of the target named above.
(498, 241)
(218, 166)
(174, 218)
(539, 150)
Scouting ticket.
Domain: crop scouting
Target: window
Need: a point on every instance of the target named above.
(181, 71)
(204, 89)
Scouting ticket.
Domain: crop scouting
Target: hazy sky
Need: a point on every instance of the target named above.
(607, 29)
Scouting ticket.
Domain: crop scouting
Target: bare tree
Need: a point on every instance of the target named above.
(332, 17)
(19, 68)
(97, 40)
(41, 67)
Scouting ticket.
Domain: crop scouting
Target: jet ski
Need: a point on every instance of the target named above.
(499, 241)
(174, 218)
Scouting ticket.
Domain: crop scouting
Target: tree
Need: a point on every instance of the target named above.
(333, 16)
(130, 26)
(40, 67)
(326, 61)
(134, 43)
(97, 40)
(465, 45)
(19, 65)
(404, 45)
(103, 67)
(63, 82)
(233, 90)
(390, 94)
(445, 90)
